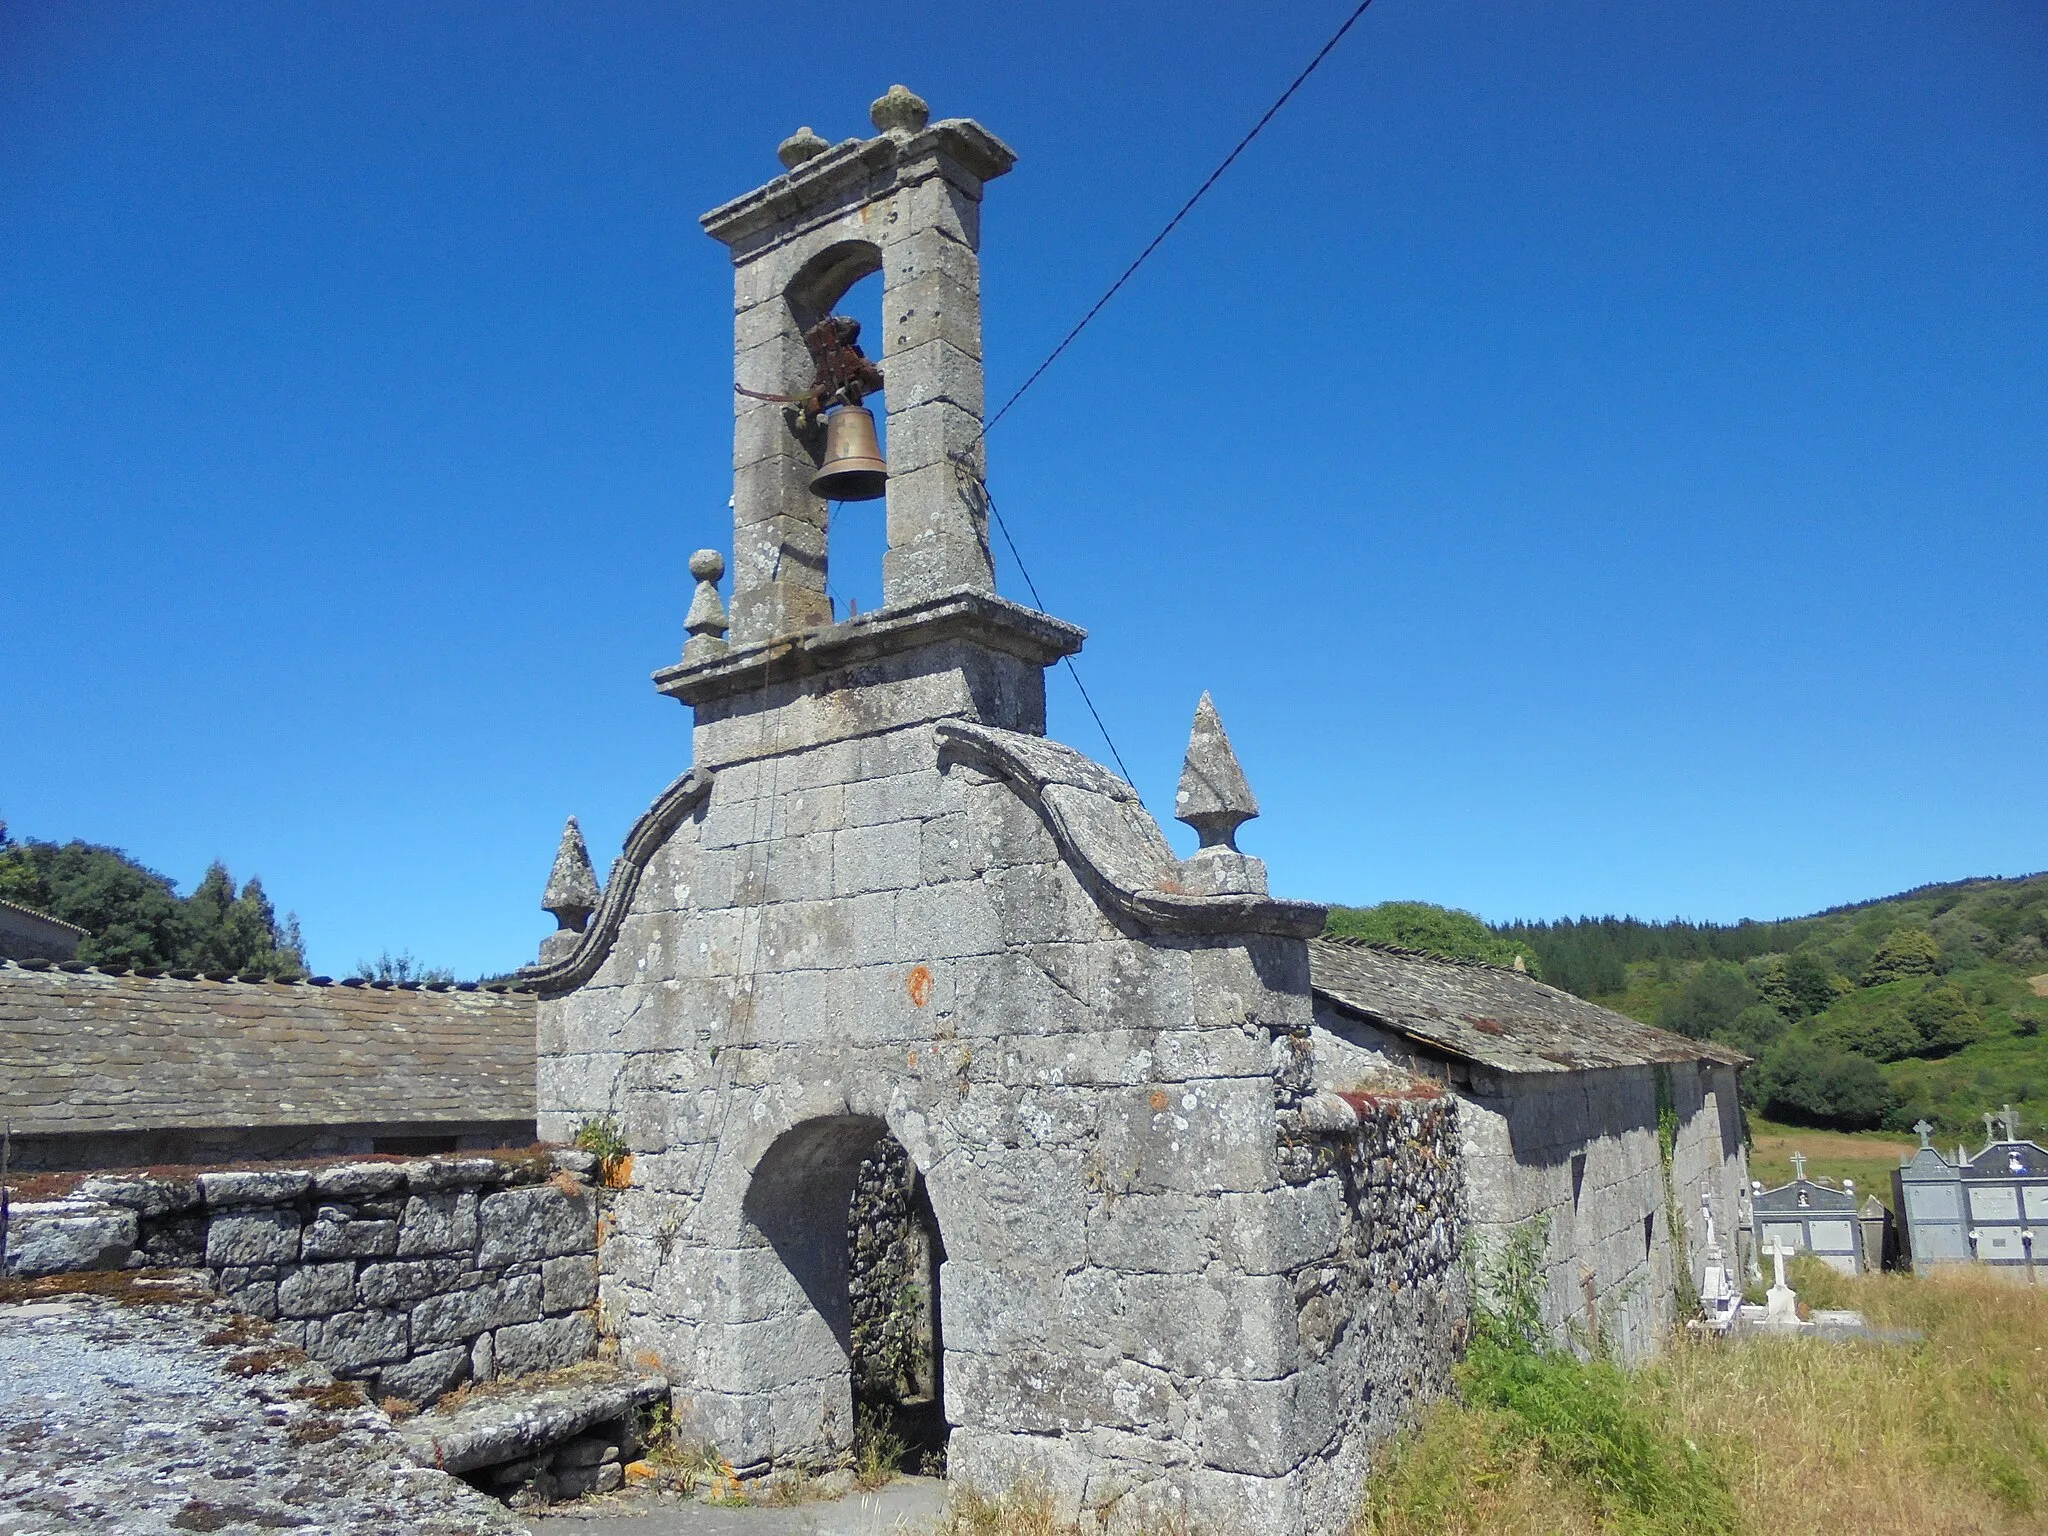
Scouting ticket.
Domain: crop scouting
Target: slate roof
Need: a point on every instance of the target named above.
(1489, 1015)
(84, 1050)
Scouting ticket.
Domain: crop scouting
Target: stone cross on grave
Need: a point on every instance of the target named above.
(1925, 1132)
(2012, 1124)
(1799, 1167)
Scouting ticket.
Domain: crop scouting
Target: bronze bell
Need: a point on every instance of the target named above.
(853, 469)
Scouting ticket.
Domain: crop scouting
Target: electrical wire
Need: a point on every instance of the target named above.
(963, 460)
(1185, 208)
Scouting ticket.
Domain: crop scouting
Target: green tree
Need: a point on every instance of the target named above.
(1438, 930)
(134, 918)
(1800, 985)
(1709, 1002)
(132, 915)
(401, 967)
(1905, 952)
(1755, 1030)
(1806, 1083)
(1882, 1033)
(1944, 1020)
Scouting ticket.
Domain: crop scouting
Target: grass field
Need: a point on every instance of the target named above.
(1868, 1157)
(1947, 1435)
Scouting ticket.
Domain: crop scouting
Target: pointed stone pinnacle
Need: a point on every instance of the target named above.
(572, 884)
(1214, 798)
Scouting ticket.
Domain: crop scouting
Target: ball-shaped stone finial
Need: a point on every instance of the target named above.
(899, 110)
(707, 565)
(800, 146)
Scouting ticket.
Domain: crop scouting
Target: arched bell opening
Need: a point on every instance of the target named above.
(843, 1208)
(844, 280)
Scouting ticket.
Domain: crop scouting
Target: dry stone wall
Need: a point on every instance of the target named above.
(411, 1277)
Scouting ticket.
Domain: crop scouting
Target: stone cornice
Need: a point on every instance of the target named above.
(1111, 841)
(646, 838)
(845, 174)
(979, 617)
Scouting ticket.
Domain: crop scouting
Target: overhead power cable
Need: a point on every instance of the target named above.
(963, 462)
(1186, 208)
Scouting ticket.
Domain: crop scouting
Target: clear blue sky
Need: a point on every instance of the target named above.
(1596, 454)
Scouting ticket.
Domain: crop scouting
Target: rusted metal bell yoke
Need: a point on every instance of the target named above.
(852, 469)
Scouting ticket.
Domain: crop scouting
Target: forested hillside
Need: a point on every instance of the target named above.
(1932, 1003)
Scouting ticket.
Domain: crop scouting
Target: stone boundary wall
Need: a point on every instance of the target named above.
(411, 1277)
(1384, 1308)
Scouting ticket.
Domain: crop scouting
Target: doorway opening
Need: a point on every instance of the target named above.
(897, 1349)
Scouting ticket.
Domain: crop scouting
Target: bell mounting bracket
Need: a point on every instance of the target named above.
(844, 375)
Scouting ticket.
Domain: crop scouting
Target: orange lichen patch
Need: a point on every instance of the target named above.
(1159, 1099)
(642, 1472)
(1489, 1026)
(920, 985)
(617, 1172)
(1371, 1100)
(129, 1287)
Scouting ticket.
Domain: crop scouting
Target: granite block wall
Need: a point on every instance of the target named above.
(412, 1277)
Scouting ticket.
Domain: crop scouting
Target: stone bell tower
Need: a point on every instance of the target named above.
(906, 204)
(882, 909)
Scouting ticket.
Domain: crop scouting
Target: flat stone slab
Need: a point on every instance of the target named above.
(517, 1417)
(905, 1507)
(141, 1406)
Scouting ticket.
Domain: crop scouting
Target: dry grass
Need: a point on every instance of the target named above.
(1949, 1434)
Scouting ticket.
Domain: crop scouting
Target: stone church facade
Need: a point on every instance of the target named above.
(1185, 1263)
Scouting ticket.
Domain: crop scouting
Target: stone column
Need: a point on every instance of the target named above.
(931, 321)
(778, 526)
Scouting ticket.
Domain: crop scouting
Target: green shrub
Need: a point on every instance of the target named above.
(603, 1138)
(1805, 1083)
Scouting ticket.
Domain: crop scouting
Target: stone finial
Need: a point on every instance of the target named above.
(800, 146)
(1215, 800)
(572, 884)
(899, 110)
(706, 621)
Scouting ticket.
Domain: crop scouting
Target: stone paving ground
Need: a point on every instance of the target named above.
(908, 1507)
(148, 1410)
